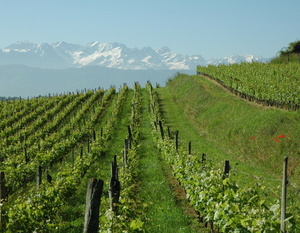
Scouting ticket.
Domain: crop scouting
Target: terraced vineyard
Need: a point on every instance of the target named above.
(271, 84)
(51, 146)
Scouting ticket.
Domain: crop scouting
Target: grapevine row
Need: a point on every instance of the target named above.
(39, 211)
(129, 214)
(20, 165)
(217, 198)
(269, 84)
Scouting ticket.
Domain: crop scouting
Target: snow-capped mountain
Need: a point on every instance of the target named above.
(112, 55)
(236, 59)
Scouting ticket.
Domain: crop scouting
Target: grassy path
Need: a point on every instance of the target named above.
(176, 118)
(187, 118)
(164, 213)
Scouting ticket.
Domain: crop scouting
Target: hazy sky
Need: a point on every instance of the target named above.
(211, 28)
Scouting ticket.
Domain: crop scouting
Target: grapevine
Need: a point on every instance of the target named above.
(270, 84)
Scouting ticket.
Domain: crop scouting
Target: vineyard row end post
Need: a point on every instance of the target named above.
(283, 195)
(93, 200)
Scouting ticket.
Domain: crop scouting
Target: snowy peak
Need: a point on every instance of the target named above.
(112, 55)
(119, 56)
(22, 46)
(163, 50)
(236, 59)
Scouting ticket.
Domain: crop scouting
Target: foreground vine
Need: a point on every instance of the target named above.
(219, 201)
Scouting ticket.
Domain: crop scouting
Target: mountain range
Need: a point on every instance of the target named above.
(62, 55)
(28, 69)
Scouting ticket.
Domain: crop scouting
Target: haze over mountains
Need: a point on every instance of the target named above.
(63, 55)
(29, 69)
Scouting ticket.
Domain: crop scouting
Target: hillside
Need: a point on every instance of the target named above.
(241, 131)
(166, 185)
(253, 138)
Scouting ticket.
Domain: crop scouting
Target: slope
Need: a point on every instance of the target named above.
(254, 139)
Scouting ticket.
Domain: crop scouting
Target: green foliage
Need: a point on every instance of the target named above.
(288, 54)
(272, 84)
(294, 47)
(130, 214)
(54, 132)
(220, 200)
(41, 210)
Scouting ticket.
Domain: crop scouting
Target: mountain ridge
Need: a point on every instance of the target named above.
(60, 55)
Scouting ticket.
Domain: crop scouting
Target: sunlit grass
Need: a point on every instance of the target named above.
(228, 128)
(163, 212)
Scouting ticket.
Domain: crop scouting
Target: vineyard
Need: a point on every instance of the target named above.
(269, 84)
(54, 147)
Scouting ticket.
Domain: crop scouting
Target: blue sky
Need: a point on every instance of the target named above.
(211, 28)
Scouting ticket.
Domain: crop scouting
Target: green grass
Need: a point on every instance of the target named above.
(164, 213)
(228, 128)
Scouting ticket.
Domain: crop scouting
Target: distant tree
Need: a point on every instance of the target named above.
(288, 54)
(285, 52)
(294, 47)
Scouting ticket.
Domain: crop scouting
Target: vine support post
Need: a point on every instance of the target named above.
(283, 195)
(114, 186)
(161, 130)
(3, 193)
(39, 173)
(93, 200)
(130, 137)
(88, 145)
(125, 153)
(176, 140)
(25, 155)
(169, 132)
(190, 148)
(226, 169)
(3, 196)
(203, 160)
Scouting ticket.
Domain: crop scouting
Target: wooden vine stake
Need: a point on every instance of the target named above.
(125, 153)
(3, 196)
(283, 195)
(130, 137)
(88, 145)
(169, 132)
(114, 186)
(203, 159)
(190, 148)
(26, 155)
(226, 169)
(161, 130)
(3, 193)
(93, 200)
(176, 140)
(39, 174)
